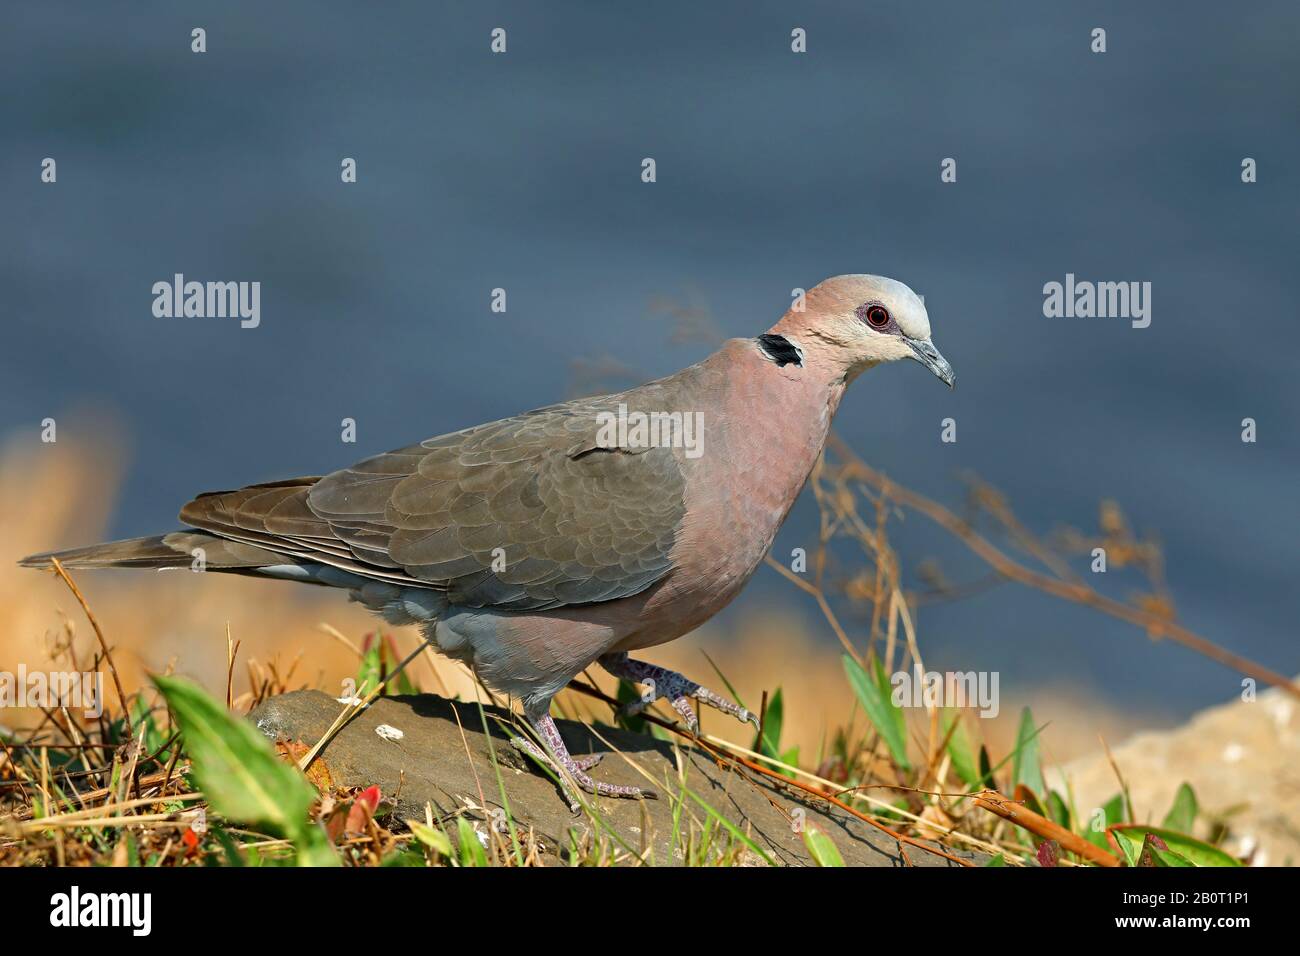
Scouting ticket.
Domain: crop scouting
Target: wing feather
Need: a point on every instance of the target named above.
(524, 513)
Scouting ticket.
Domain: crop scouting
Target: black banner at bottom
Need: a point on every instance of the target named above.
(271, 904)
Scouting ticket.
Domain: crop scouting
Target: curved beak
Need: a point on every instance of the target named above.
(923, 351)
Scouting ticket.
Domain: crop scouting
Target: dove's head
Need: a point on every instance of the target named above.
(852, 322)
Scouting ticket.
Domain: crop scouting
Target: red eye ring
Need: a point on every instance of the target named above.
(878, 317)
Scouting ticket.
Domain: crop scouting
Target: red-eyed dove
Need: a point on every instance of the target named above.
(534, 546)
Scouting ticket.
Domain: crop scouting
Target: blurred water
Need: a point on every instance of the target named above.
(775, 171)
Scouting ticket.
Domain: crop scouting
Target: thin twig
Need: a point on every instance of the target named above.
(1155, 625)
(1039, 825)
(103, 644)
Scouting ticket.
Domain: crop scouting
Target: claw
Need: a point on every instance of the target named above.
(687, 713)
(587, 762)
(572, 768)
(674, 687)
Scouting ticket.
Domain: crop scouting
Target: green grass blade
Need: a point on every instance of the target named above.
(433, 838)
(959, 747)
(773, 718)
(1131, 837)
(1156, 854)
(471, 850)
(874, 695)
(730, 827)
(821, 848)
(239, 772)
(1027, 768)
(1059, 810)
(1182, 815)
(1112, 812)
(368, 670)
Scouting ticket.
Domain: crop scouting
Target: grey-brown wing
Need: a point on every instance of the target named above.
(524, 513)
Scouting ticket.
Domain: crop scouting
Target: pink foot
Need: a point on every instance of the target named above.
(570, 767)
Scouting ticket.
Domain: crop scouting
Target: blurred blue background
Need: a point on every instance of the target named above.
(775, 170)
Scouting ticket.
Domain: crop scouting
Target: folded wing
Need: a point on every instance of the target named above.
(526, 513)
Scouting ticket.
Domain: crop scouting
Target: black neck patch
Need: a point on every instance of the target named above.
(780, 350)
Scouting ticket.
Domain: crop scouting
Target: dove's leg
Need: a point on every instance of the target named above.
(557, 755)
(671, 685)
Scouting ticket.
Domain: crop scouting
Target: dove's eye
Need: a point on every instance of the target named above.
(876, 316)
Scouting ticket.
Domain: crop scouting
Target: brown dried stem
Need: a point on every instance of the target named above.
(103, 644)
(1039, 825)
(1156, 625)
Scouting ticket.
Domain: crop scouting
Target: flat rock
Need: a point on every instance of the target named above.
(425, 749)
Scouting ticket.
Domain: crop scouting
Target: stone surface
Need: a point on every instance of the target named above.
(426, 749)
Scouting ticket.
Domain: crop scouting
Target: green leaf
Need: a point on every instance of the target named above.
(821, 848)
(1026, 768)
(1058, 809)
(874, 695)
(773, 718)
(1156, 854)
(471, 850)
(240, 774)
(1182, 815)
(1112, 812)
(435, 840)
(1131, 837)
(402, 683)
(959, 747)
(770, 745)
(368, 671)
(1130, 846)
(998, 860)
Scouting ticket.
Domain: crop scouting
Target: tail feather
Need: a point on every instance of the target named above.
(175, 550)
